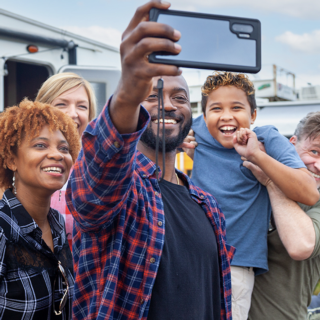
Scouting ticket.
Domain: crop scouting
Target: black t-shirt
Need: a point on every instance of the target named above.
(187, 285)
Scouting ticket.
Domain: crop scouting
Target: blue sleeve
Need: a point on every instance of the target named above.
(279, 147)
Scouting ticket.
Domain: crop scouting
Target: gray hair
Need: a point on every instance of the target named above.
(309, 126)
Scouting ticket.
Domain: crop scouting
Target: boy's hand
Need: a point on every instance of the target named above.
(246, 144)
(189, 144)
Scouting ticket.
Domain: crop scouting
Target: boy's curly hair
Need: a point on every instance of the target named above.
(25, 122)
(220, 79)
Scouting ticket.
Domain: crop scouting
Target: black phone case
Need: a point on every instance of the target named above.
(255, 35)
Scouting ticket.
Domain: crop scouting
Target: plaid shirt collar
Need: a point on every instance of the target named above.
(24, 220)
(146, 168)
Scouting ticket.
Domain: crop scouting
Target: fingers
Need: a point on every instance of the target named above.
(261, 147)
(241, 135)
(190, 137)
(249, 165)
(189, 145)
(191, 133)
(146, 38)
(149, 45)
(154, 29)
(142, 14)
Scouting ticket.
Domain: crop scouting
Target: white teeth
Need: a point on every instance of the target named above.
(227, 128)
(171, 121)
(315, 175)
(52, 169)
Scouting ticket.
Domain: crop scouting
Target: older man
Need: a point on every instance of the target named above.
(285, 291)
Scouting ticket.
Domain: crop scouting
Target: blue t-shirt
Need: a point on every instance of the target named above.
(243, 200)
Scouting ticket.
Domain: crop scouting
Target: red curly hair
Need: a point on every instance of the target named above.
(220, 79)
(25, 122)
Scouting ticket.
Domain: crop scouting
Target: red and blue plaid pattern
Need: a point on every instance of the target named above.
(119, 226)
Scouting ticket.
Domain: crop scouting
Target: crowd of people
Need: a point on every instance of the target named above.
(89, 231)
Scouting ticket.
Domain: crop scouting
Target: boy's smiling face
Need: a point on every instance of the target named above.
(227, 111)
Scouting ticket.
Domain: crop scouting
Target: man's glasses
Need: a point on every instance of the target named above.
(65, 294)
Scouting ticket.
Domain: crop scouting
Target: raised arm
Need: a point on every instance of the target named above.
(104, 171)
(295, 227)
(297, 184)
(140, 39)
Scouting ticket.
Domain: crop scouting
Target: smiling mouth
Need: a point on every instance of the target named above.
(314, 175)
(166, 121)
(53, 170)
(228, 130)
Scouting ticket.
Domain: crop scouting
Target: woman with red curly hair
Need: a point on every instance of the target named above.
(39, 144)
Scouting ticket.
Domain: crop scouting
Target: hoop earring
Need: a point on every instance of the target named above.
(14, 184)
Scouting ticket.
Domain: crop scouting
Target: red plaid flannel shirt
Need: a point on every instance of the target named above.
(115, 199)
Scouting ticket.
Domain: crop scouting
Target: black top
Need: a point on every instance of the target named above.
(28, 266)
(187, 285)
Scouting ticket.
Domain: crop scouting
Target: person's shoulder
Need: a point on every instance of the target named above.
(198, 123)
(272, 138)
(266, 130)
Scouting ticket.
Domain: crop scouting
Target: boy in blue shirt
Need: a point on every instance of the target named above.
(223, 135)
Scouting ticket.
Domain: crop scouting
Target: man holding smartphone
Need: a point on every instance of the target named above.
(145, 249)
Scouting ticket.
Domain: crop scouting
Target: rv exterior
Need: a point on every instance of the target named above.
(23, 72)
(285, 115)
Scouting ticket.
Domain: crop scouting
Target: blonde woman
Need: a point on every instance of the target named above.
(74, 96)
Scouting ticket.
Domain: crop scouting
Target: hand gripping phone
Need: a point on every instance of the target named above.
(211, 42)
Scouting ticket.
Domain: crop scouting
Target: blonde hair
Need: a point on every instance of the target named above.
(62, 82)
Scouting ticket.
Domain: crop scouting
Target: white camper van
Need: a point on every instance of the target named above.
(285, 115)
(31, 51)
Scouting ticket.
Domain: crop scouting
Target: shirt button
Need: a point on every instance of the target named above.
(160, 223)
(142, 301)
(157, 193)
(152, 260)
(144, 176)
(202, 196)
(116, 144)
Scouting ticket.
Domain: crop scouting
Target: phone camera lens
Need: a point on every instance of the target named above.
(242, 28)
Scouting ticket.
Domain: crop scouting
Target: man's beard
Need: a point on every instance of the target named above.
(149, 138)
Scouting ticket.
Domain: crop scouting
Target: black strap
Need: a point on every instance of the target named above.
(160, 102)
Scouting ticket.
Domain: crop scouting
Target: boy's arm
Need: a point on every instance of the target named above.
(297, 184)
(295, 227)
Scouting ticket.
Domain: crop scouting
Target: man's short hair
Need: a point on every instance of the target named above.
(309, 126)
(220, 79)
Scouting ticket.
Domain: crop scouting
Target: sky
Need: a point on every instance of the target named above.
(290, 28)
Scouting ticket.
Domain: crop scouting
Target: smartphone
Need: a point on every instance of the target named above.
(212, 42)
